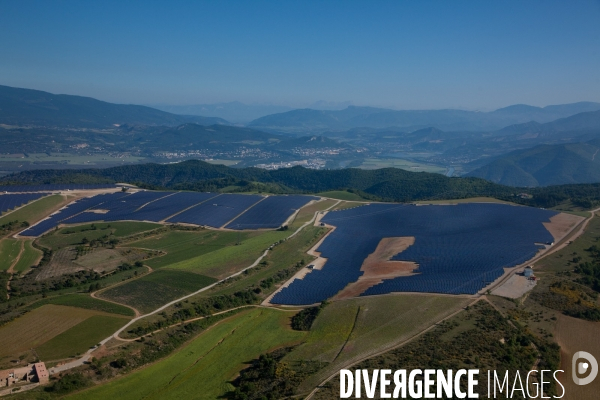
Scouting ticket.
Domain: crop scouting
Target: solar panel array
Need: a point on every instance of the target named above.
(272, 212)
(218, 211)
(211, 209)
(53, 188)
(118, 209)
(69, 211)
(169, 205)
(12, 201)
(458, 249)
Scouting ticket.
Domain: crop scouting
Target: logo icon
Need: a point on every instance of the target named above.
(582, 367)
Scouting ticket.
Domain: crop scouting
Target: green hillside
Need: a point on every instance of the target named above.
(34, 107)
(387, 184)
(545, 165)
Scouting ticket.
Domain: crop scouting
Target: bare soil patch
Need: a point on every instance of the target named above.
(575, 335)
(379, 266)
(561, 224)
(515, 287)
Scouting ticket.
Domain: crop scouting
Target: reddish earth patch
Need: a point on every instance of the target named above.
(378, 266)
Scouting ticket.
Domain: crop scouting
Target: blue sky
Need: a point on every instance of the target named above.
(400, 54)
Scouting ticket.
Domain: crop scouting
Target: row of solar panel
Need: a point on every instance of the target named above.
(11, 201)
(458, 249)
(52, 188)
(211, 209)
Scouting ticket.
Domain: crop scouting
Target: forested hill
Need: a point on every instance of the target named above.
(34, 107)
(546, 165)
(390, 184)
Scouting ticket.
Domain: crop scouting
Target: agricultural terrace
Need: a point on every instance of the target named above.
(204, 368)
(251, 287)
(45, 323)
(450, 249)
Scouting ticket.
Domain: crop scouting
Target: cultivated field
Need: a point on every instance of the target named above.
(352, 329)
(377, 163)
(153, 290)
(184, 245)
(575, 335)
(87, 302)
(80, 338)
(203, 368)
(228, 260)
(37, 327)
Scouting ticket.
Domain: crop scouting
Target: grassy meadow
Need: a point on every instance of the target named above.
(351, 329)
(36, 210)
(203, 368)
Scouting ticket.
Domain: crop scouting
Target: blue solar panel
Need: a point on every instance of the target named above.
(218, 211)
(11, 201)
(272, 212)
(53, 188)
(118, 209)
(69, 211)
(169, 205)
(458, 249)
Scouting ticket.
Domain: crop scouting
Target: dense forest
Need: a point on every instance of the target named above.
(387, 184)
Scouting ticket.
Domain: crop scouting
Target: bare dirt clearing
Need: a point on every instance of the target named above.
(560, 225)
(575, 335)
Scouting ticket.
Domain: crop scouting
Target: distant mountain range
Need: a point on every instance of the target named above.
(240, 113)
(34, 107)
(309, 120)
(234, 112)
(545, 165)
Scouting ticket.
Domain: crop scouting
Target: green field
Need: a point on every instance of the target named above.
(63, 238)
(9, 251)
(37, 327)
(87, 302)
(283, 256)
(378, 163)
(341, 195)
(352, 329)
(35, 211)
(29, 258)
(228, 260)
(307, 213)
(185, 245)
(204, 368)
(156, 289)
(71, 159)
(78, 339)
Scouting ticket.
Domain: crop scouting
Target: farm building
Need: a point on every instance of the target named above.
(528, 273)
(32, 373)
